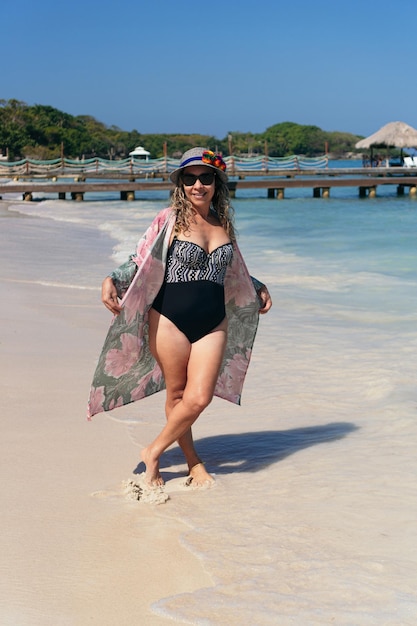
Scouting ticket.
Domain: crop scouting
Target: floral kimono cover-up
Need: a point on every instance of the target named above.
(126, 370)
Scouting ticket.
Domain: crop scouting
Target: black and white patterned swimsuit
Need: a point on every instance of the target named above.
(192, 295)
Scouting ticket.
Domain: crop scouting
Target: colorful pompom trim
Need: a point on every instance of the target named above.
(213, 159)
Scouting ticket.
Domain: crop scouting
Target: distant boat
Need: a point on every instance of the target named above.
(140, 153)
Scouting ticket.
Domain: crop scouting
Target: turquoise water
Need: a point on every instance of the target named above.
(364, 249)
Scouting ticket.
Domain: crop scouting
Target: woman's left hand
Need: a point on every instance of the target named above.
(265, 299)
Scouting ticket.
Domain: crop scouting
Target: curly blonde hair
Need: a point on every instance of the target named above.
(221, 205)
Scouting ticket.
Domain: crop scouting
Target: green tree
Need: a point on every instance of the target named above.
(13, 127)
(41, 131)
(288, 138)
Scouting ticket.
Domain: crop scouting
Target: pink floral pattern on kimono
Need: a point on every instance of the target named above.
(96, 400)
(118, 362)
(241, 297)
(126, 370)
(139, 298)
(139, 392)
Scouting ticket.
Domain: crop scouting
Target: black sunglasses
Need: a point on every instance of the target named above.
(205, 179)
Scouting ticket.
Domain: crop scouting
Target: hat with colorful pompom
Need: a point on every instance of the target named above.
(200, 156)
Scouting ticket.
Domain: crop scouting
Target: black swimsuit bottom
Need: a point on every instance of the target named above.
(192, 295)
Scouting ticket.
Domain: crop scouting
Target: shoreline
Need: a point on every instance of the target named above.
(311, 517)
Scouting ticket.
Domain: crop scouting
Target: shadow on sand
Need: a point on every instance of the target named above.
(252, 451)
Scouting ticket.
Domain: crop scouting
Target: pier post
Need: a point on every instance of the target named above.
(61, 195)
(280, 193)
(232, 189)
(362, 192)
(316, 192)
(400, 190)
(271, 193)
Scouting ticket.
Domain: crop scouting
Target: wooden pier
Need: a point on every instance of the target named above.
(275, 183)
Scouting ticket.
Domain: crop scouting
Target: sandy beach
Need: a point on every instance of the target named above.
(70, 553)
(312, 520)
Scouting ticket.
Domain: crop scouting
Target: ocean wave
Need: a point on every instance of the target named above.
(48, 283)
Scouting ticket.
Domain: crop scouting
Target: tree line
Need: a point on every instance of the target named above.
(43, 132)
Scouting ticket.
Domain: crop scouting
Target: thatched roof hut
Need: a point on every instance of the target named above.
(394, 134)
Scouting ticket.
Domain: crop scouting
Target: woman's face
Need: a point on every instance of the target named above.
(198, 192)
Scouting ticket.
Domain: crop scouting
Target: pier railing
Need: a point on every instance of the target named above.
(129, 176)
(151, 168)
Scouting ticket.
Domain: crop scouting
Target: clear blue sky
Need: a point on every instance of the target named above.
(168, 66)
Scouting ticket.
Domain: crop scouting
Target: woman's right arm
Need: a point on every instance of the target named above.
(109, 296)
(117, 283)
(265, 300)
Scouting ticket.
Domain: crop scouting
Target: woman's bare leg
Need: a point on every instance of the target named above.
(186, 444)
(197, 365)
(174, 391)
(196, 469)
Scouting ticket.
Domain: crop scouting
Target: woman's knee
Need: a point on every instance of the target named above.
(172, 399)
(197, 401)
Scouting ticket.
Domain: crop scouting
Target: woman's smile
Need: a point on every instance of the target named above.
(198, 193)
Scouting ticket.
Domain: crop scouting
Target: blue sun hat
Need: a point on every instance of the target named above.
(200, 156)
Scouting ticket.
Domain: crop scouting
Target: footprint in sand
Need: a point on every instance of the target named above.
(137, 489)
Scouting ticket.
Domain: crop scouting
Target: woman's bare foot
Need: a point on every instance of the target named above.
(152, 476)
(199, 476)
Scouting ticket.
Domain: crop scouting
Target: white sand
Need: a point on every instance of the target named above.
(69, 557)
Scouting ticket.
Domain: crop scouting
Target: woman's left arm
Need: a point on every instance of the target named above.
(263, 295)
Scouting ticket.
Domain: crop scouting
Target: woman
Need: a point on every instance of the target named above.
(189, 313)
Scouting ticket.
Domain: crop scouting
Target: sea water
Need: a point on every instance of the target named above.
(313, 517)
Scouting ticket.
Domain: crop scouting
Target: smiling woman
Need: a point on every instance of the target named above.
(189, 314)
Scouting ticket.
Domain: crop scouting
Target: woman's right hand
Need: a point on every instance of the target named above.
(109, 296)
